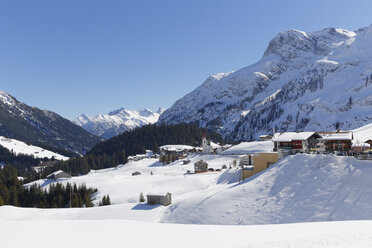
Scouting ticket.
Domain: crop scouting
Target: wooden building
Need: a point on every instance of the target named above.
(58, 174)
(154, 199)
(294, 142)
(336, 141)
(200, 166)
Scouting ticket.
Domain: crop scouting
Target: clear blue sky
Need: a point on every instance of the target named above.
(92, 57)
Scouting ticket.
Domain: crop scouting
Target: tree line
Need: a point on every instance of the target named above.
(114, 151)
(12, 192)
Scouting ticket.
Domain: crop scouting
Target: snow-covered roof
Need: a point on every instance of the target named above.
(289, 136)
(55, 173)
(176, 147)
(342, 135)
(250, 148)
(214, 145)
(157, 194)
(264, 136)
(360, 145)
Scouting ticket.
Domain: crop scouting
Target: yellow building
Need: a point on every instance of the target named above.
(261, 161)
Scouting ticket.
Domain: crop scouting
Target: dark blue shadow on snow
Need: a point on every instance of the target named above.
(144, 206)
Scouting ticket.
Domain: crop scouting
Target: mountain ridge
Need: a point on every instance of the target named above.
(304, 81)
(117, 121)
(42, 128)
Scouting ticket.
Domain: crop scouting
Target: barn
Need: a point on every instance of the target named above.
(154, 199)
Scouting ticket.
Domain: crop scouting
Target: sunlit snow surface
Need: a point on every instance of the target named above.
(19, 147)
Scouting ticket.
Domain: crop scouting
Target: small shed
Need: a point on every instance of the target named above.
(154, 199)
(136, 173)
(200, 166)
(58, 174)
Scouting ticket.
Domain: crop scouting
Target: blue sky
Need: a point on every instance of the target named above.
(92, 57)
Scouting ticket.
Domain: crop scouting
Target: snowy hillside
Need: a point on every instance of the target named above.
(363, 133)
(304, 81)
(117, 122)
(299, 188)
(18, 147)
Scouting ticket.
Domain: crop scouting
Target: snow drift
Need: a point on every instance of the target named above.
(299, 188)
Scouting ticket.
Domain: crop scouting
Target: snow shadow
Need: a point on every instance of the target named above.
(144, 206)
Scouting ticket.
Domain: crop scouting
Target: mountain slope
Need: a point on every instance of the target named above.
(18, 147)
(117, 122)
(42, 127)
(305, 81)
(299, 188)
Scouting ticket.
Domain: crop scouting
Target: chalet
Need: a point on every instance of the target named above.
(200, 166)
(265, 137)
(294, 142)
(170, 153)
(360, 147)
(336, 141)
(58, 174)
(154, 199)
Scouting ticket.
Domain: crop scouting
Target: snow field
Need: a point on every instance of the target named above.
(19, 147)
(123, 233)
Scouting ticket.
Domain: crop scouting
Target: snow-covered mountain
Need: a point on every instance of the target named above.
(42, 128)
(117, 122)
(304, 81)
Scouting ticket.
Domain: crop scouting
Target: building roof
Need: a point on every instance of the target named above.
(289, 136)
(176, 147)
(338, 135)
(157, 194)
(56, 173)
(361, 145)
(265, 136)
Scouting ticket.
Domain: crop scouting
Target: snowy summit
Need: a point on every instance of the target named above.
(117, 121)
(305, 81)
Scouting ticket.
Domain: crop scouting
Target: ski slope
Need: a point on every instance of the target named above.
(18, 147)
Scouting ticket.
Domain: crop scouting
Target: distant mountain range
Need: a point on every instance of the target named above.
(42, 128)
(305, 81)
(117, 122)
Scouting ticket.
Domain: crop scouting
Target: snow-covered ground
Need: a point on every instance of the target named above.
(299, 188)
(334, 192)
(18, 147)
(123, 233)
